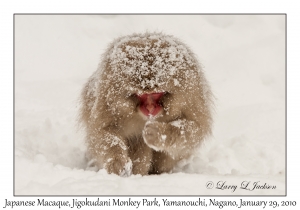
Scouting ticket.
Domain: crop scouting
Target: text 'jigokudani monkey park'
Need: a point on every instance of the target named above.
(147, 106)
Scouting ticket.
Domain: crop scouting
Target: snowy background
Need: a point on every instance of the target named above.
(243, 58)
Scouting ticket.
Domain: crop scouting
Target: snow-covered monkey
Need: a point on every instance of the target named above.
(147, 106)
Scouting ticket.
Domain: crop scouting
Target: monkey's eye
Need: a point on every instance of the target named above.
(129, 95)
(133, 97)
(167, 93)
(165, 98)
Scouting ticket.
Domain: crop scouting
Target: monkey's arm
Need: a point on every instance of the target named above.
(178, 138)
(110, 151)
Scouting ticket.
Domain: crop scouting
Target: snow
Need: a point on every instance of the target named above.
(127, 169)
(148, 59)
(243, 58)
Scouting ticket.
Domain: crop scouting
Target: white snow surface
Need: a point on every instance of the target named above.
(243, 58)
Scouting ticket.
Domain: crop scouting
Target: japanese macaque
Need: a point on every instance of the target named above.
(147, 106)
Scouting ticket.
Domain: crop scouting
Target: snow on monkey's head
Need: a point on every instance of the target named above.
(149, 66)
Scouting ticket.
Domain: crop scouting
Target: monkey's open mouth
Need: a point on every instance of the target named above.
(150, 103)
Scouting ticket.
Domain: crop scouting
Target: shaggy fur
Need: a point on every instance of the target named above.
(122, 140)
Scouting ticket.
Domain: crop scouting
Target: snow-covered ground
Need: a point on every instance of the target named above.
(243, 58)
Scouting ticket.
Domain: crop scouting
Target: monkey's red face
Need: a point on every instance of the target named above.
(150, 103)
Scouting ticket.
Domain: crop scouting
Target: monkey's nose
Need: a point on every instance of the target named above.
(150, 108)
(150, 104)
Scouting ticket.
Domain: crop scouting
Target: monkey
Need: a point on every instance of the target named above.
(146, 107)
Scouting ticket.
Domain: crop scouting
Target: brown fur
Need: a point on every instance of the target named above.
(116, 134)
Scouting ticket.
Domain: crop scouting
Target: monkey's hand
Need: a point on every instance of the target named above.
(154, 136)
(119, 165)
(111, 153)
(177, 138)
